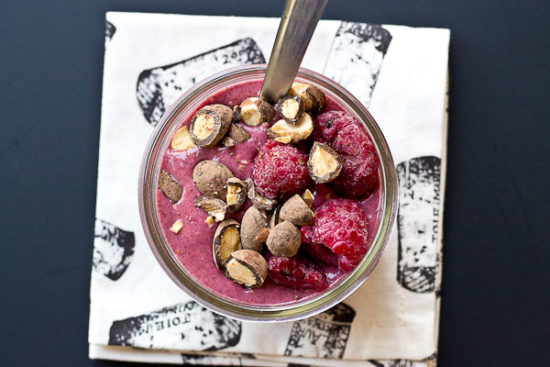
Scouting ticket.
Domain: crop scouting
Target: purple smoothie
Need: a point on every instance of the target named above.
(193, 244)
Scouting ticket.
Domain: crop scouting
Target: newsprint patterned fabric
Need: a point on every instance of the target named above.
(138, 314)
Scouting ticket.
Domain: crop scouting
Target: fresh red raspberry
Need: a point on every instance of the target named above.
(296, 272)
(359, 176)
(280, 170)
(320, 252)
(327, 125)
(341, 225)
(344, 133)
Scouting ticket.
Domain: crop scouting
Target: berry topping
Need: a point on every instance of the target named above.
(341, 226)
(280, 170)
(344, 133)
(296, 272)
(321, 252)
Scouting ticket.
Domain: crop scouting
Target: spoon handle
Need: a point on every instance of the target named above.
(295, 30)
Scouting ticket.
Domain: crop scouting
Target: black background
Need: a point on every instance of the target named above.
(496, 288)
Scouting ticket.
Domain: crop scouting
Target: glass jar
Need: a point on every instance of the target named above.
(148, 181)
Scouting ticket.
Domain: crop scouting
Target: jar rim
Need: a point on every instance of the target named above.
(147, 187)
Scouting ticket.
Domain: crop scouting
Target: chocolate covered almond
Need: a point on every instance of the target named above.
(254, 111)
(210, 178)
(247, 268)
(312, 97)
(324, 163)
(226, 240)
(253, 222)
(215, 208)
(170, 186)
(286, 133)
(284, 240)
(296, 211)
(236, 194)
(209, 125)
(237, 133)
(291, 109)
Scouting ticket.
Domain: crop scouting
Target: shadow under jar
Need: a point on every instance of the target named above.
(200, 279)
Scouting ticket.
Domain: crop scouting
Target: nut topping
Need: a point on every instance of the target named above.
(253, 222)
(209, 125)
(286, 133)
(211, 177)
(291, 109)
(275, 219)
(258, 200)
(226, 240)
(284, 240)
(254, 111)
(324, 164)
(262, 235)
(176, 226)
(228, 141)
(296, 211)
(308, 197)
(247, 268)
(313, 98)
(216, 208)
(236, 194)
(236, 113)
(237, 133)
(182, 140)
(170, 186)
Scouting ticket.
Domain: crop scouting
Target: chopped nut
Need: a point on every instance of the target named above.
(211, 177)
(253, 222)
(284, 240)
(237, 133)
(228, 142)
(283, 139)
(216, 208)
(296, 211)
(258, 200)
(324, 164)
(262, 235)
(254, 111)
(209, 125)
(246, 267)
(177, 226)
(291, 109)
(312, 97)
(286, 133)
(226, 240)
(170, 186)
(182, 140)
(275, 219)
(209, 221)
(308, 197)
(236, 113)
(236, 194)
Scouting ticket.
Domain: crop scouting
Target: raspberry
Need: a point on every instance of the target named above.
(320, 252)
(341, 225)
(280, 170)
(359, 176)
(296, 272)
(344, 133)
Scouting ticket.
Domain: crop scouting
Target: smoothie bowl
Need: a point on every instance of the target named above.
(267, 212)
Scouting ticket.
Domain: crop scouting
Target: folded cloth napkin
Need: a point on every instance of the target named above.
(138, 314)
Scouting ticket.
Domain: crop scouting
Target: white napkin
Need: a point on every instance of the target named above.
(399, 73)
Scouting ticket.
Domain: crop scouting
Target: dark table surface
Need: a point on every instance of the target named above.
(496, 285)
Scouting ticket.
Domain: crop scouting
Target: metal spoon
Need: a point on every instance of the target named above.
(295, 30)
